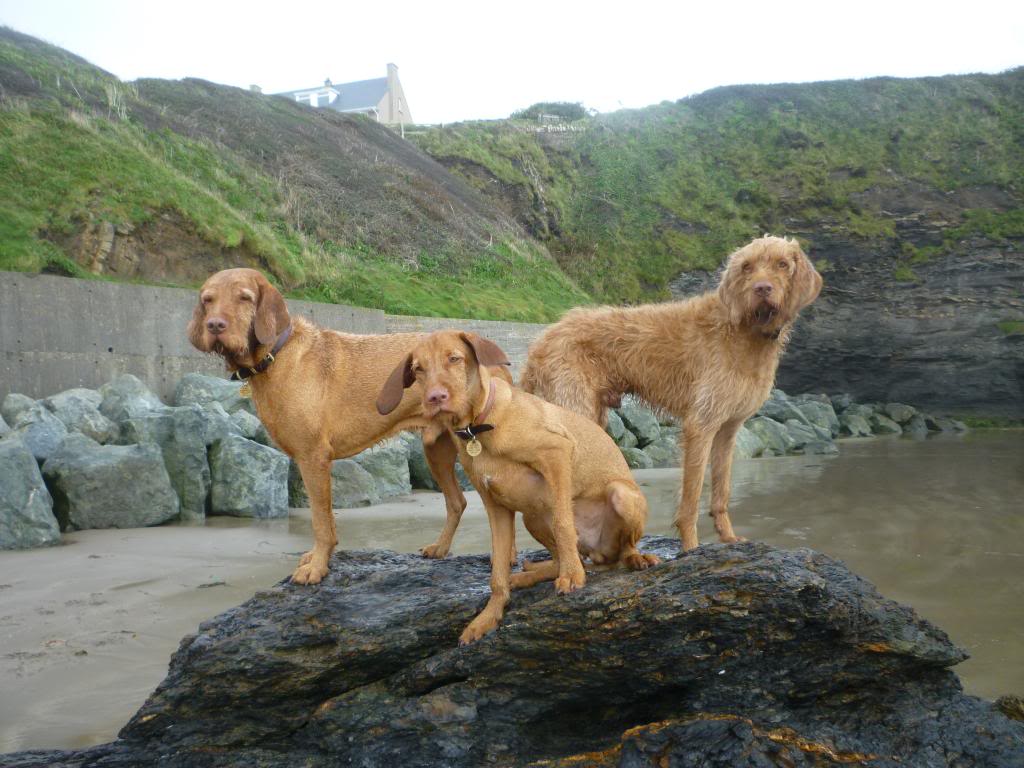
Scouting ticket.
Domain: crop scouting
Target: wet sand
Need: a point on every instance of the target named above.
(87, 628)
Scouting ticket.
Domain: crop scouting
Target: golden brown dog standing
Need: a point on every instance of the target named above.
(560, 470)
(710, 361)
(317, 397)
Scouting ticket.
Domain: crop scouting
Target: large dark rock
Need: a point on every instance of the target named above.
(727, 656)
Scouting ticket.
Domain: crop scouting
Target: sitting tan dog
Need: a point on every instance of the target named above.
(559, 469)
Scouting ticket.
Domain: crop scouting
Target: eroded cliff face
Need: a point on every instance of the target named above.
(947, 340)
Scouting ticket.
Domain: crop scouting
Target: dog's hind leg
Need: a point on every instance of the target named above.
(534, 573)
(631, 507)
(440, 453)
(721, 480)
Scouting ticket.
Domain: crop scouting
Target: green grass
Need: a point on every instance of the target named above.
(75, 150)
(1011, 327)
(644, 194)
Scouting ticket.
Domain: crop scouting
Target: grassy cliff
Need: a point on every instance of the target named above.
(627, 201)
(166, 181)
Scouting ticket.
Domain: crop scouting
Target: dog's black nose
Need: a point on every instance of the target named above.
(216, 325)
(763, 289)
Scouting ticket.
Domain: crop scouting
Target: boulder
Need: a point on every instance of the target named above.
(725, 656)
(200, 389)
(854, 425)
(883, 425)
(841, 402)
(641, 422)
(778, 407)
(249, 426)
(180, 434)
(388, 465)
(126, 396)
(247, 479)
(800, 434)
(916, 427)
(352, 486)
(899, 412)
(217, 423)
(419, 471)
(109, 486)
(615, 427)
(40, 431)
(773, 435)
(26, 509)
(637, 459)
(664, 452)
(820, 448)
(14, 405)
(748, 444)
(4, 427)
(863, 410)
(628, 439)
(819, 414)
(943, 424)
(79, 410)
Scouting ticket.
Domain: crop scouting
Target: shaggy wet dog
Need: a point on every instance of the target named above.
(709, 361)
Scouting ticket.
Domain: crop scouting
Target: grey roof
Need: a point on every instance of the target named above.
(362, 94)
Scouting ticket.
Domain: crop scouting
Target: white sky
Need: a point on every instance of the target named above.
(464, 60)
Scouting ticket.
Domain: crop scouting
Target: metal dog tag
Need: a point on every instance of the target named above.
(245, 390)
(473, 447)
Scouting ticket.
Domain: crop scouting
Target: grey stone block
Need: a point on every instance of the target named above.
(26, 509)
(248, 479)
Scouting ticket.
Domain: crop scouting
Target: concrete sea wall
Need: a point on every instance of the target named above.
(57, 333)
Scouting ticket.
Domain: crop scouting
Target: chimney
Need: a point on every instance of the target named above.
(327, 83)
(392, 94)
(255, 89)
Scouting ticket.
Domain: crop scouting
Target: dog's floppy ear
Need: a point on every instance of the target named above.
(806, 283)
(196, 326)
(727, 290)
(391, 393)
(271, 313)
(486, 351)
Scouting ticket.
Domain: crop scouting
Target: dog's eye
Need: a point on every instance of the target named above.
(782, 265)
(454, 359)
(207, 299)
(748, 268)
(245, 297)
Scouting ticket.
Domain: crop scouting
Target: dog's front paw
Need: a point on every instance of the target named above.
(308, 571)
(731, 539)
(434, 551)
(480, 626)
(638, 562)
(566, 584)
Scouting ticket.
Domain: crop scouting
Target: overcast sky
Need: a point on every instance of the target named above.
(464, 60)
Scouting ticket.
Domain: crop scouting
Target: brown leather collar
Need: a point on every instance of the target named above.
(245, 373)
(477, 426)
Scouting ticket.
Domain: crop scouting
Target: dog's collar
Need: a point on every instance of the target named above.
(246, 373)
(476, 427)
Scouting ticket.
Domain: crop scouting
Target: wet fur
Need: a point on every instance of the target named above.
(710, 361)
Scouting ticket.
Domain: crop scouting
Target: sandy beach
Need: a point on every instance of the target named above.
(87, 628)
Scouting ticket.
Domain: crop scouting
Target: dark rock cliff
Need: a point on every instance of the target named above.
(726, 656)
